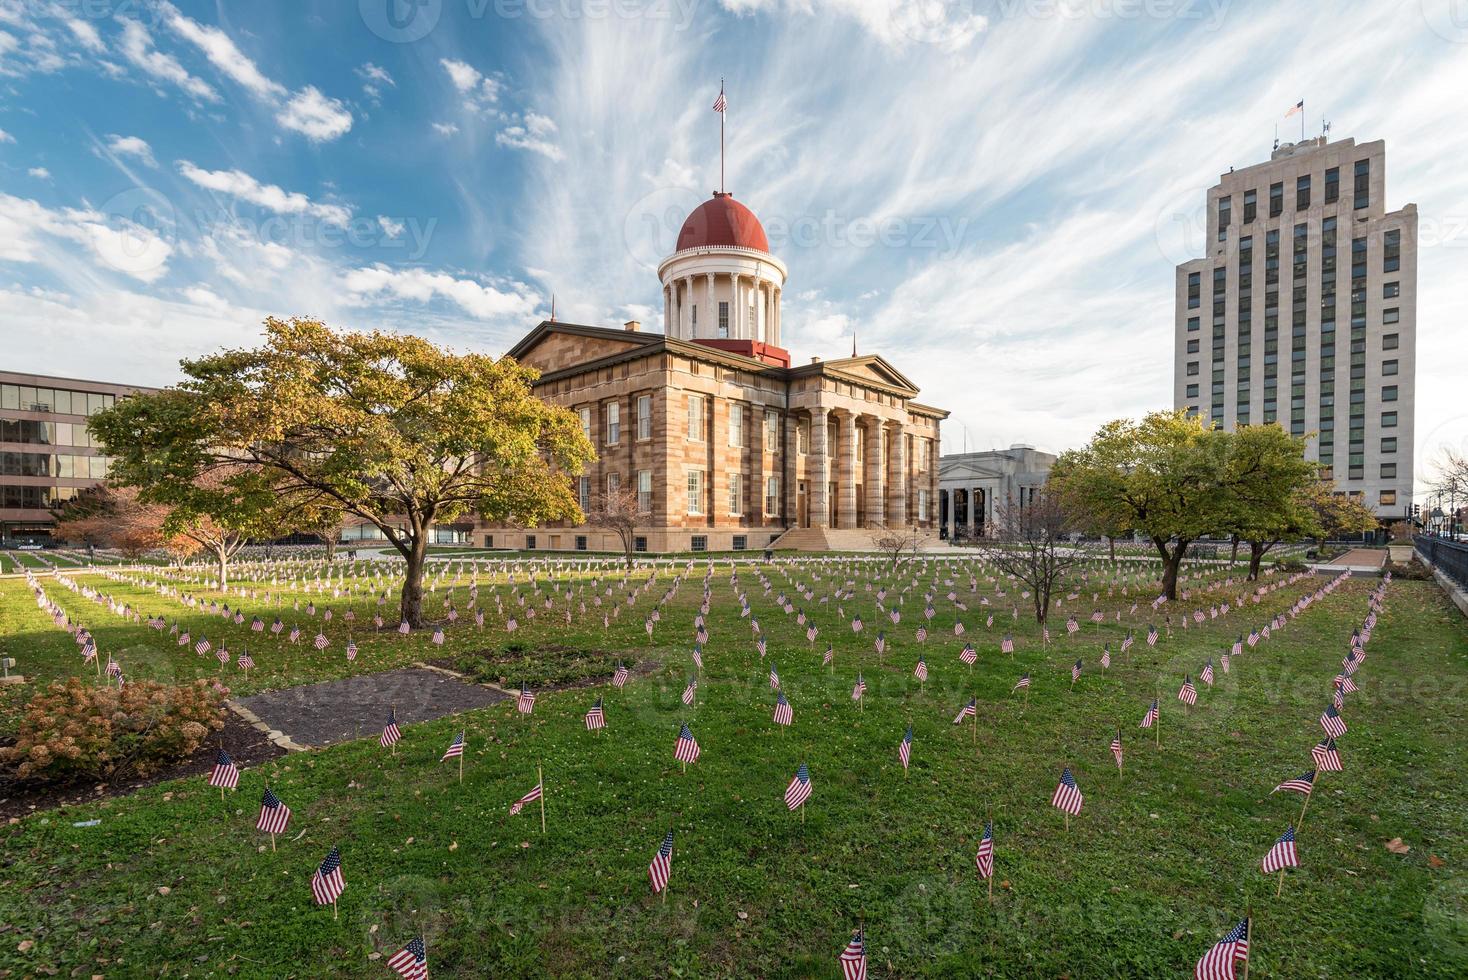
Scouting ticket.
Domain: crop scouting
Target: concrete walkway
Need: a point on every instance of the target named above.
(314, 715)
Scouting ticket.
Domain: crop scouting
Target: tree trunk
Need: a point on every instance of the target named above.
(1042, 606)
(1234, 555)
(1111, 546)
(330, 548)
(1171, 562)
(221, 556)
(412, 596)
(1256, 555)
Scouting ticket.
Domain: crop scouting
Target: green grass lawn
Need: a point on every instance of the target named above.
(1161, 861)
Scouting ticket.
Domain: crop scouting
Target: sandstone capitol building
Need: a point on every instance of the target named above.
(728, 445)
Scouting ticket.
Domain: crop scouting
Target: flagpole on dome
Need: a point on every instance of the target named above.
(720, 105)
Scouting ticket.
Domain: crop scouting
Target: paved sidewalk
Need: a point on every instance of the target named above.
(313, 715)
(1362, 558)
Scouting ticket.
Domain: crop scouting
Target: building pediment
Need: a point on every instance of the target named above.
(555, 346)
(872, 367)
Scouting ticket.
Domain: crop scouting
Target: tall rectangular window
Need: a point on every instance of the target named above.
(1251, 206)
(736, 493)
(1276, 200)
(1195, 290)
(1391, 253)
(1362, 186)
(695, 418)
(1302, 192)
(614, 423)
(736, 425)
(772, 496)
(644, 491)
(723, 318)
(1332, 185)
(583, 493)
(644, 416)
(586, 423)
(772, 432)
(695, 491)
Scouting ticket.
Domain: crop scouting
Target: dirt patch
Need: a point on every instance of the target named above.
(356, 707)
(244, 744)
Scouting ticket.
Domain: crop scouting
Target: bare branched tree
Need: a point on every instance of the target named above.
(1031, 542)
(619, 511)
(898, 544)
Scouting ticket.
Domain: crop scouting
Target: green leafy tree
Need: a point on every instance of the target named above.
(1167, 476)
(388, 428)
(1334, 514)
(1269, 483)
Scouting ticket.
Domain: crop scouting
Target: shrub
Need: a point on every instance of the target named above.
(79, 731)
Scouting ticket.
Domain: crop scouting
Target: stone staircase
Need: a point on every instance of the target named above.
(843, 539)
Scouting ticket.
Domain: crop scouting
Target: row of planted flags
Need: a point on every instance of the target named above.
(245, 662)
(328, 882)
(1222, 960)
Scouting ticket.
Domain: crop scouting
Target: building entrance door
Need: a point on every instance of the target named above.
(802, 516)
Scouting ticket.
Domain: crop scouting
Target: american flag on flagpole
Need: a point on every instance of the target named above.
(410, 962)
(327, 883)
(529, 797)
(1116, 749)
(619, 677)
(1188, 694)
(1223, 958)
(1021, 683)
(1326, 757)
(525, 703)
(1067, 795)
(661, 867)
(970, 710)
(904, 748)
(455, 749)
(984, 859)
(854, 957)
(1331, 721)
(686, 749)
(858, 689)
(595, 718)
(1282, 855)
(390, 733)
(783, 713)
(1303, 784)
(1297, 107)
(1151, 716)
(225, 773)
(720, 104)
(274, 815)
(799, 789)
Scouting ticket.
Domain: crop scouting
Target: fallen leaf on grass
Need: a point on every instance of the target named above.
(24, 945)
(1396, 846)
(1435, 861)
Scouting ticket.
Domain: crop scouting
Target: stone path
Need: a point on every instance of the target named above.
(313, 715)
(1362, 558)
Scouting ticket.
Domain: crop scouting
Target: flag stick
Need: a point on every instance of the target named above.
(272, 842)
(333, 910)
(540, 780)
(461, 768)
(1157, 722)
(991, 872)
(1280, 890)
(1304, 808)
(1248, 936)
(1067, 820)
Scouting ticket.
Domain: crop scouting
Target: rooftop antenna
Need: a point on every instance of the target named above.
(853, 343)
(553, 308)
(720, 104)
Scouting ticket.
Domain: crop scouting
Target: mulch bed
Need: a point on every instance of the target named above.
(244, 744)
(498, 656)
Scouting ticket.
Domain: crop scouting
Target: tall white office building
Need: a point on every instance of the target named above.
(1304, 313)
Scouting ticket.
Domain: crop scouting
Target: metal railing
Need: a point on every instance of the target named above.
(1448, 557)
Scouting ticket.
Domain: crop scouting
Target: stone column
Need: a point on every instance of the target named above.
(817, 472)
(872, 480)
(772, 336)
(790, 504)
(896, 476)
(711, 325)
(846, 471)
(685, 317)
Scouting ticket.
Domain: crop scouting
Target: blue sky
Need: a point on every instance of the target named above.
(991, 194)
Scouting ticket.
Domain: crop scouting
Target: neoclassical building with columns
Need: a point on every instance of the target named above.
(728, 445)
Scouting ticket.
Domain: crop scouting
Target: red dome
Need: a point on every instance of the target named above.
(722, 221)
